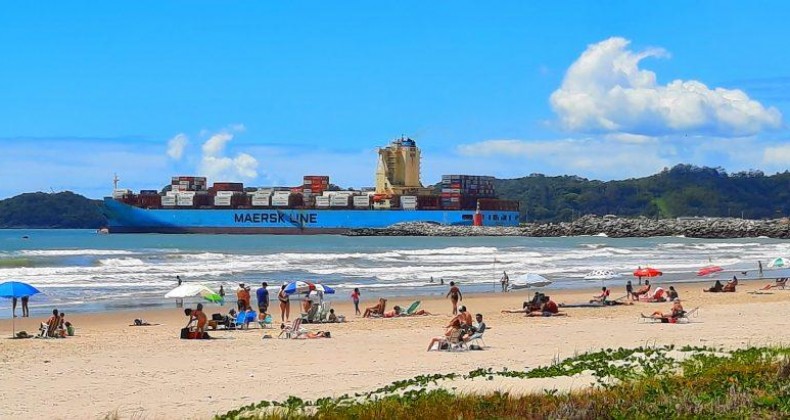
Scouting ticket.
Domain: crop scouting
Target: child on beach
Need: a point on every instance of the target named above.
(629, 290)
(355, 298)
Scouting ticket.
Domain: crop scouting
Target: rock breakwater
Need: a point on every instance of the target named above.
(714, 228)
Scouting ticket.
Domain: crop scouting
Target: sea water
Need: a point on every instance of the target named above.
(80, 270)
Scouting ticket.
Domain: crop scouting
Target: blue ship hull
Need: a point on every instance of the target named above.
(123, 218)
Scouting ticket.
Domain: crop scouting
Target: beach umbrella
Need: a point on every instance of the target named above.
(779, 262)
(647, 272)
(324, 288)
(299, 287)
(704, 271)
(192, 289)
(529, 280)
(600, 275)
(16, 289)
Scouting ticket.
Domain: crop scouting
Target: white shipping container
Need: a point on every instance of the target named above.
(222, 201)
(224, 193)
(260, 201)
(409, 198)
(279, 202)
(168, 201)
(362, 200)
(171, 193)
(409, 206)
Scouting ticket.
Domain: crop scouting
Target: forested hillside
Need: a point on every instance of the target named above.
(684, 190)
(57, 210)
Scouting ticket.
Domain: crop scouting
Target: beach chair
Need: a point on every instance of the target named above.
(686, 317)
(323, 311)
(266, 322)
(310, 316)
(412, 308)
(293, 330)
(476, 339)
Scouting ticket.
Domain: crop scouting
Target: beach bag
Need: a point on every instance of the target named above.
(70, 331)
(184, 333)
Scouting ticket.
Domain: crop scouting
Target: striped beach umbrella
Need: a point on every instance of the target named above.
(324, 288)
(299, 287)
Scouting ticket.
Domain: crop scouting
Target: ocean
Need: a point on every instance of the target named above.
(82, 271)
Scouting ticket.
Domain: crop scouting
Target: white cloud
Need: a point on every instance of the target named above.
(215, 165)
(777, 155)
(176, 146)
(605, 91)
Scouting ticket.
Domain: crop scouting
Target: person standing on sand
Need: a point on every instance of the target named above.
(455, 296)
(505, 281)
(25, 310)
(178, 278)
(13, 307)
(285, 304)
(262, 294)
(629, 290)
(355, 298)
(222, 295)
(242, 298)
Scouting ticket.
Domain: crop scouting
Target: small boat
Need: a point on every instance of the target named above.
(529, 280)
(706, 271)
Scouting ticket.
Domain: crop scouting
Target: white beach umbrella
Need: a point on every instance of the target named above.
(190, 290)
(600, 275)
(528, 280)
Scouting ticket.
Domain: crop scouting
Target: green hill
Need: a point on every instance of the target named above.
(684, 190)
(57, 210)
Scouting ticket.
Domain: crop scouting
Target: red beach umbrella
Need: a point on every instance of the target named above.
(647, 272)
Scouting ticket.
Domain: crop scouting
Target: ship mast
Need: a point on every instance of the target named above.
(115, 180)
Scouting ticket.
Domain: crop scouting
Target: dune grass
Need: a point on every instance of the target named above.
(637, 383)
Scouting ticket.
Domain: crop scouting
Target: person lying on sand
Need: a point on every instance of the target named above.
(642, 290)
(676, 312)
(377, 309)
(549, 308)
(779, 284)
(319, 334)
(528, 306)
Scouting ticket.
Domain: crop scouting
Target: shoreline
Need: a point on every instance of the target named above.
(111, 368)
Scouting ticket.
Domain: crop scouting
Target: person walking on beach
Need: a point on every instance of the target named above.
(455, 296)
(263, 300)
(178, 278)
(355, 298)
(629, 290)
(221, 295)
(285, 305)
(179, 301)
(505, 281)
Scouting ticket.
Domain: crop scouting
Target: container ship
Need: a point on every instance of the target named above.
(189, 205)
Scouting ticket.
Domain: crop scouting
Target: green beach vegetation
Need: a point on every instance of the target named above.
(664, 382)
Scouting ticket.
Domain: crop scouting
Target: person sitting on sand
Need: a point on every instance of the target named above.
(676, 312)
(602, 297)
(642, 290)
(672, 294)
(730, 286)
(779, 284)
(376, 310)
(717, 287)
(53, 323)
(527, 306)
(331, 317)
(658, 295)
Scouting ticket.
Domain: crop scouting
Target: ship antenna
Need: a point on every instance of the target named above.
(115, 180)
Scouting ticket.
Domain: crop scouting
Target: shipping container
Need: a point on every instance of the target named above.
(222, 201)
(258, 201)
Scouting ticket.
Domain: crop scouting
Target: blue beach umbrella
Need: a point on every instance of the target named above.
(324, 288)
(16, 289)
(299, 287)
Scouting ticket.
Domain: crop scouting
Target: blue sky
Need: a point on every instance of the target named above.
(266, 92)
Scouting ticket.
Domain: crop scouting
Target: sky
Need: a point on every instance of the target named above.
(266, 92)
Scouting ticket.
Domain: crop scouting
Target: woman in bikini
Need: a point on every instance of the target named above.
(377, 309)
(285, 305)
(455, 296)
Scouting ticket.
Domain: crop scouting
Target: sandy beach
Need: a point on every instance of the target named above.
(110, 368)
